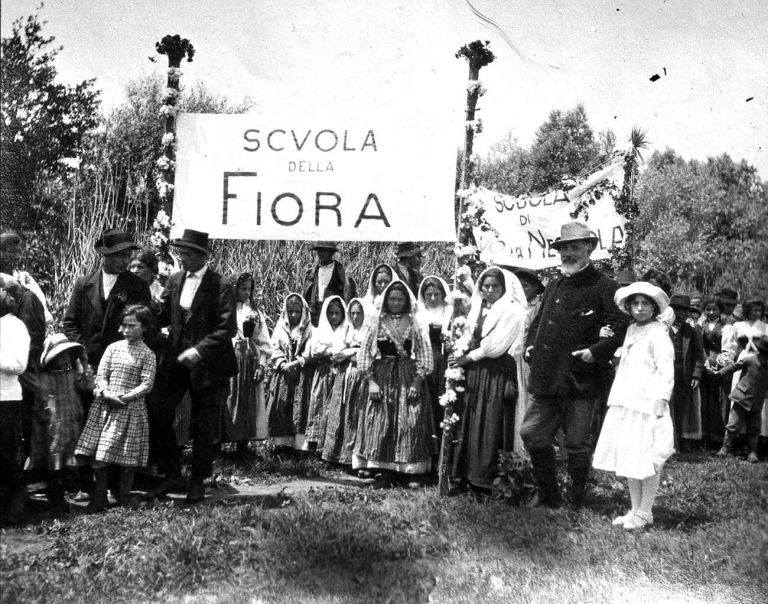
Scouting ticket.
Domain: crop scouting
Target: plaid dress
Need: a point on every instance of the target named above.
(121, 436)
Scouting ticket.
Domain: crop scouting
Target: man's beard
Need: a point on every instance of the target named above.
(569, 268)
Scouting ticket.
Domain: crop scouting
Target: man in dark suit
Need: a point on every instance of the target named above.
(567, 354)
(408, 265)
(326, 278)
(93, 315)
(199, 307)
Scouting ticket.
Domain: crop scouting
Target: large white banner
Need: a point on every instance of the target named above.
(296, 177)
(526, 226)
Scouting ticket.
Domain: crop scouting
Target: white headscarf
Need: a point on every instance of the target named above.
(513, 299)
(440, 315)
(371, 300)
(325, 337)
(354, 336)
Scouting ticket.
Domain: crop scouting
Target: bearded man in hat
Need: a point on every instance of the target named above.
(567, 356)
(199, 308)
(408, 265)
(95, 308)
(327, 277)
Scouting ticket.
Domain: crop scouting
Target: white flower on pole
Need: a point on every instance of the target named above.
(168, 139)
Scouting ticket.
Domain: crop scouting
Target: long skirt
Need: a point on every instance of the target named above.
(282, 391)
(57, 425)
(436, 387)
(244, 415)
(320, 392)
(392, 433)
(633, 444)
(349, 392)
(486, 421)
(116, 436)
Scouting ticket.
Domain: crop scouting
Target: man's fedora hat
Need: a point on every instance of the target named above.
(56, 344)
(682, 301)
(641, 287)
(408, 249)
(574, 231)
(728, 296)
(113, 241)
(325, 245)
(194, 240)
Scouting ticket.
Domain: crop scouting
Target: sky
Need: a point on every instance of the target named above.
(397, 57)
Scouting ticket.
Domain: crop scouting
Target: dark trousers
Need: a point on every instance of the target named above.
(204, 417)
(544, 416)
(11, 476)
(740, 418)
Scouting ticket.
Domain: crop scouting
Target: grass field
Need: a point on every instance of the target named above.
(350, 544)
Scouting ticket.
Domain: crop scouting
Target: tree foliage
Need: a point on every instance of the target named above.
(705, 223)
(43, 122)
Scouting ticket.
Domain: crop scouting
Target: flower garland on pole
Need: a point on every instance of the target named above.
(458, 338)
(176, 48)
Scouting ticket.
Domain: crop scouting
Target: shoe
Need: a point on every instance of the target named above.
(723, 452)
(169, 484)
(196, 492)
(620, 520)
(364, 474)
(638, 521)
(752, 457)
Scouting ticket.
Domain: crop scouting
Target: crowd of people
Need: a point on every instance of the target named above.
(549, 370)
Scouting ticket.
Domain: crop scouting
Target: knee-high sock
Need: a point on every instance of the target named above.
(650, 486)
(635, 493)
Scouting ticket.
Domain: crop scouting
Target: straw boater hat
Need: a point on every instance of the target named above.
(641, 287)
(193, 240)
(408, 249)
(56, 344)
(574, 231)
(113, 241)
(325, 245)
(682, 301)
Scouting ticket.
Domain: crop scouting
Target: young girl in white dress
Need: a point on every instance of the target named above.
(637, 434)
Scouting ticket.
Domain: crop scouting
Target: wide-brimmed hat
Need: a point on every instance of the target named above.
(54, 345)
(574, 231)
(641, 287)
(682, 301)
(407, 249)
(113, 241)
(762, 344)
(728, 296)
(194, 240)
(325, 245)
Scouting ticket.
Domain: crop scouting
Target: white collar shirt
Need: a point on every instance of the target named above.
(108, 281)
(324, 274)
(191, 283)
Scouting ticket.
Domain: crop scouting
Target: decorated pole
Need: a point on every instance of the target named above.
(176, 48)
(478, 55)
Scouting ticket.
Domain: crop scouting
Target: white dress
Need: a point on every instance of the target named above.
(633, 441)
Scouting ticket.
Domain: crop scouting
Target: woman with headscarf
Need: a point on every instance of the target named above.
(286, 415)
(349, 392)
(395, 426)
(244, 415)
(381, 276)
(486, 425)
(435, 312)
(327, 340)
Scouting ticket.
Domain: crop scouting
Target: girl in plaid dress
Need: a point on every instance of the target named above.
(117, 431)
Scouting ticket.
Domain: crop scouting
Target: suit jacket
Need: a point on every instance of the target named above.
(752, 387)
(31, 312)
(93, 321)
(209, 326)
(339, 285)
(572, 311)
(693, 355)
(411, 277)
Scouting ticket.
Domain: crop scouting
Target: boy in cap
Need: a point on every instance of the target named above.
(408, 265)
(326, 278)
(747, 399)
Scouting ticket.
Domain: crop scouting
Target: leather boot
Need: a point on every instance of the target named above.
(578, 469)
(545, 473)
(99, 496)
(125, 486)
